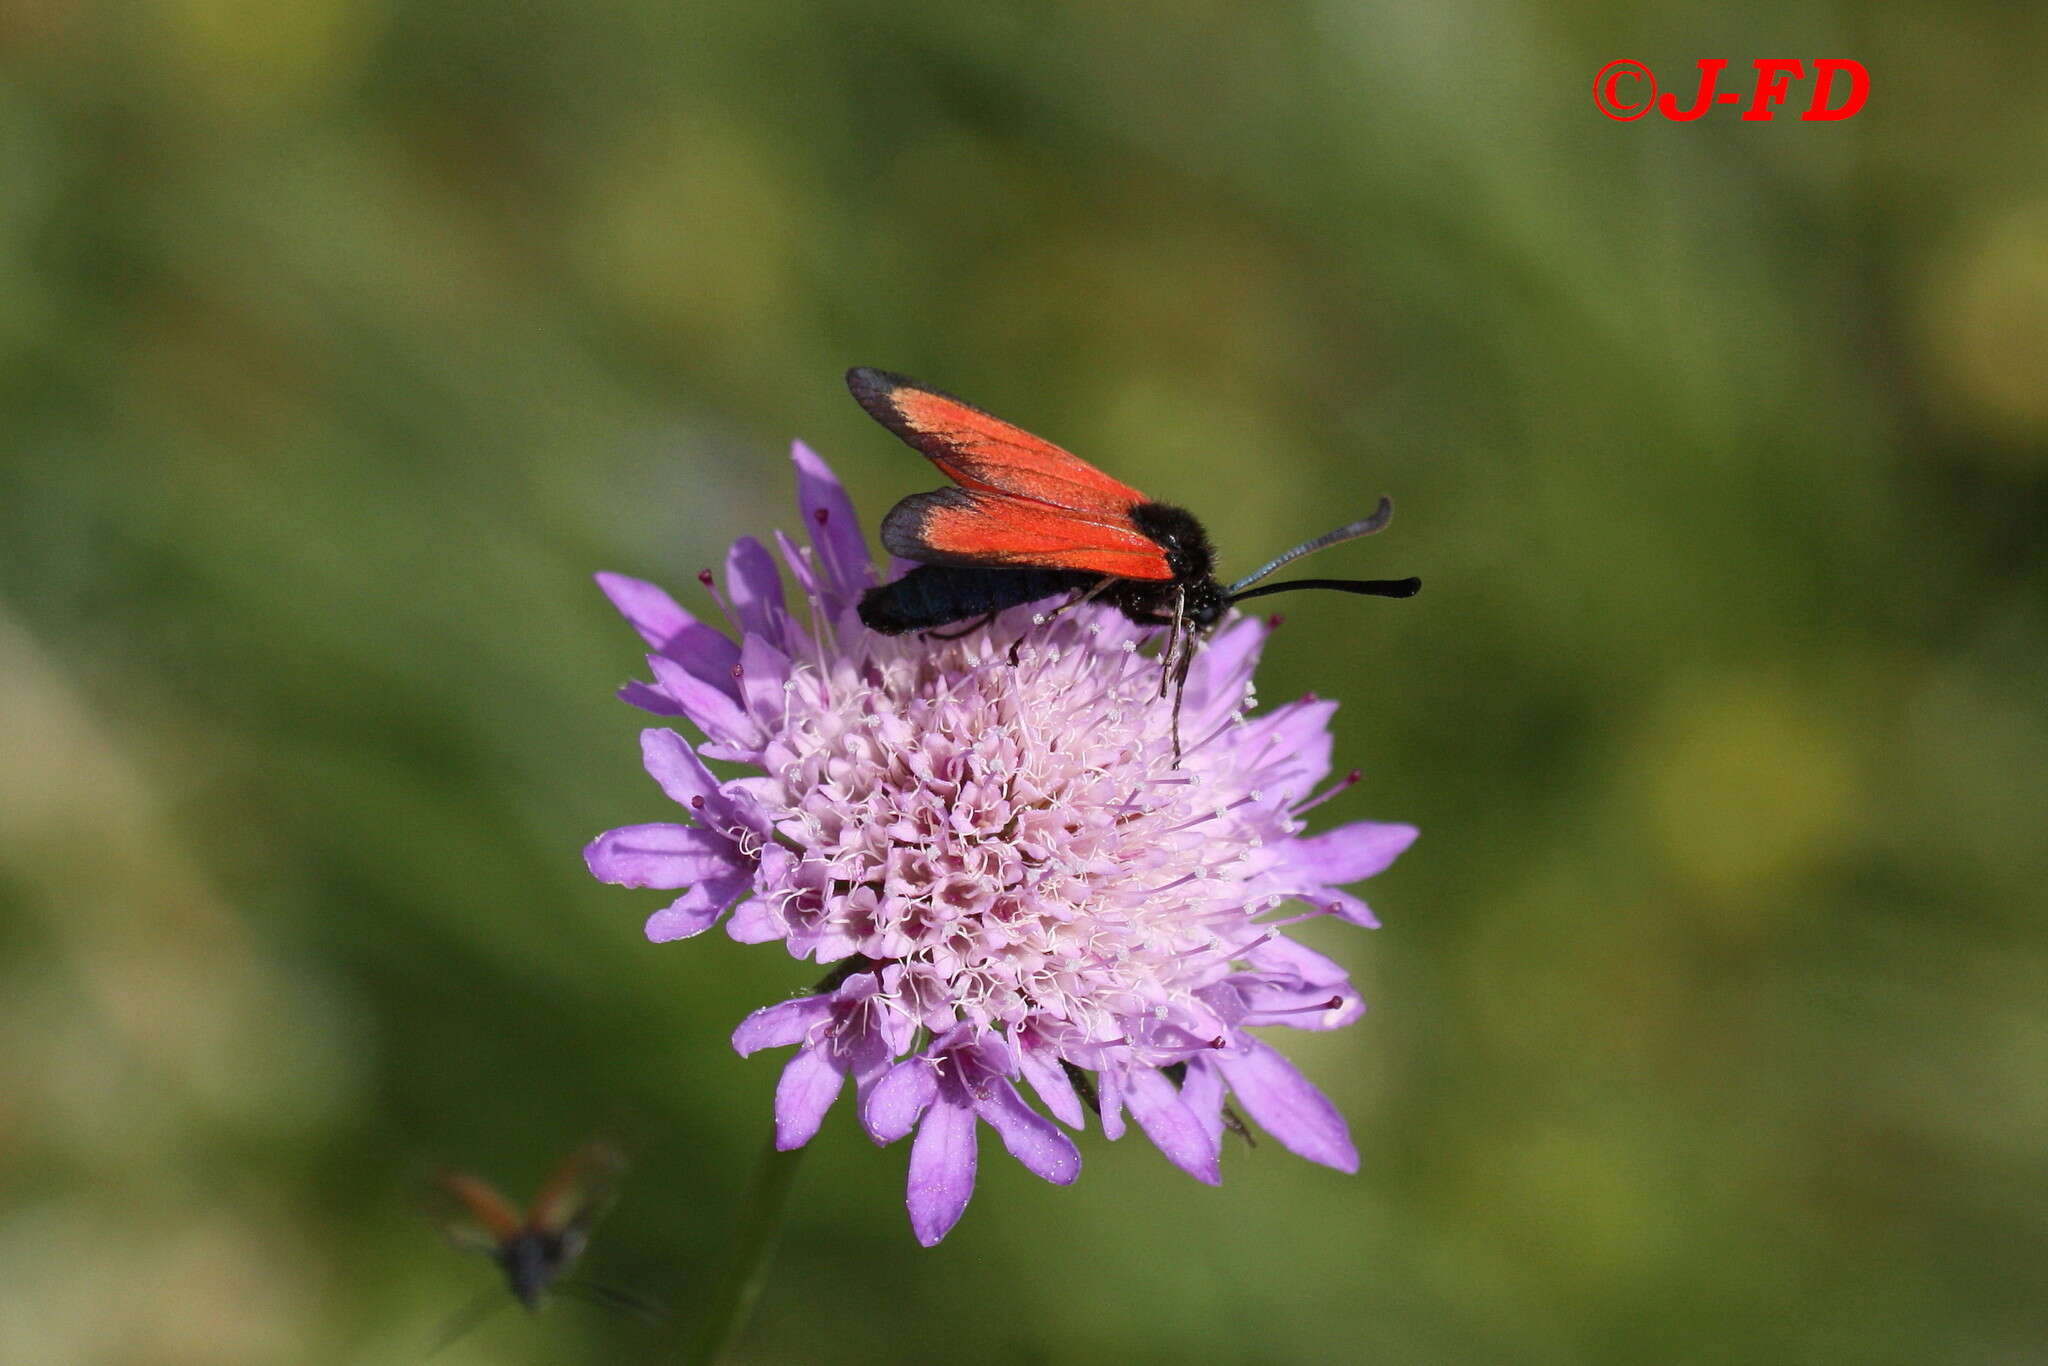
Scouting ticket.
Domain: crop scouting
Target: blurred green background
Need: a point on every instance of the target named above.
(340, 341)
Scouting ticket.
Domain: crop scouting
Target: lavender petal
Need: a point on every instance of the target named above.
(1031, 1138)
(1048, 1079)
(1172, 1127)
(763, 671)
(665, 856)
(696, 910)
(1222, 668)
(892, 1106)
(646, 608)
(1285, 957)
(756, 921)
(669, 629)
(941, 1170)
(809, 1085)
(1109, 1103)
(1346, 908)
(685, 780)
(1201, 1092)
(830, 522)
(711, 708)
(755, 586)
(782, 1024)
(651, 699)
(1351, 853)
(1286, 1106)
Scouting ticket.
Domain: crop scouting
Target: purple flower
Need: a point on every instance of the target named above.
(1013, 878)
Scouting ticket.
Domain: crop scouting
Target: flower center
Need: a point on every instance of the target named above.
(1016, 836)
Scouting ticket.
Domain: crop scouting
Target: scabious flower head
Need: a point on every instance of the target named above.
(989, 841)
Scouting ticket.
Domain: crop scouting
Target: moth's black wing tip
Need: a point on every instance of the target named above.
(876, 390)
(903, 528)
(870, 386)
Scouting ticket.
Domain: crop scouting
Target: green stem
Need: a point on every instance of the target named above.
(760, 1227)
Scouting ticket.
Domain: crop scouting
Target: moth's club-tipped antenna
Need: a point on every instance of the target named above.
(1372, 588)
(1350, 531)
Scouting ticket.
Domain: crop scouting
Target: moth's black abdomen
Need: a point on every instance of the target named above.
(934, 595)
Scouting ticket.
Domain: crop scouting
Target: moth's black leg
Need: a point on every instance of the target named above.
(1078, 600)
(1180, 690)
(968, 629)
(1176, 638)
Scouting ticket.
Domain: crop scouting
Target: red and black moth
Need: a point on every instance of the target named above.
(1026, 520)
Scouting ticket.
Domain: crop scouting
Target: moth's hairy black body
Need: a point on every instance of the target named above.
(1200, 598)
(1025, 520)
(934, 595)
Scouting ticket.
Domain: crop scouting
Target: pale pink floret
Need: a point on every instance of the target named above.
(1014, 878)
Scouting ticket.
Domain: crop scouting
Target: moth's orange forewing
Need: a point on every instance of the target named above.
(1020, 500)
(490, 1217)
(968, 527)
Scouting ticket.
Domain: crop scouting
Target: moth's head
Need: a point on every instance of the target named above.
(1206, 603)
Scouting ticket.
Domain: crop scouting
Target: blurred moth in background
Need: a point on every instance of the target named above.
(537, 1247)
